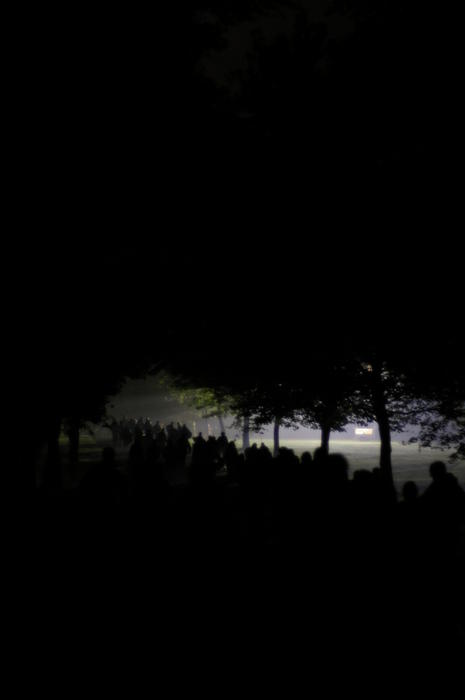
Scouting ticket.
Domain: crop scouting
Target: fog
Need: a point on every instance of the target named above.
(145, 398)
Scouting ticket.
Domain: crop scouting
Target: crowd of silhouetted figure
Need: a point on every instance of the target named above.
(290, 538)
(126, 430)
(277, 501)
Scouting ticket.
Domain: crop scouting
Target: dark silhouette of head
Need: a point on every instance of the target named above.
(306, 459)
(438, 471)
(338, 467)
(320, 456)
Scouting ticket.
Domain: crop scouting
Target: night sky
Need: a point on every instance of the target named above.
(225, 171)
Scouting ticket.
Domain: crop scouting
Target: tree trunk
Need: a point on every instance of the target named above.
(385, 462)
(384, 427)
(276, 437)
(246, 433)
(221, 422)
(325, 433)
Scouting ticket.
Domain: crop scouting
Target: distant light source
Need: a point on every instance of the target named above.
(364, 432)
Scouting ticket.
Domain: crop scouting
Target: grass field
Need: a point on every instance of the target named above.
(408, 462)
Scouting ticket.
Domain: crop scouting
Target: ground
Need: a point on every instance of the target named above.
(409, 463)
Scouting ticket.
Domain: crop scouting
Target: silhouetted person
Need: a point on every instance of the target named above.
(231, 460)
(445, 493)
(306, 460)
(337, 468)
(186, 432)
(409, 526)
(212, 451)
(199, 449)
(265, 454)
(115, 432)
(444, 507)
(320, 457)
(161, 440)
(222, 443)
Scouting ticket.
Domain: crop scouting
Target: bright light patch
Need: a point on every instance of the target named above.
(365, 432)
